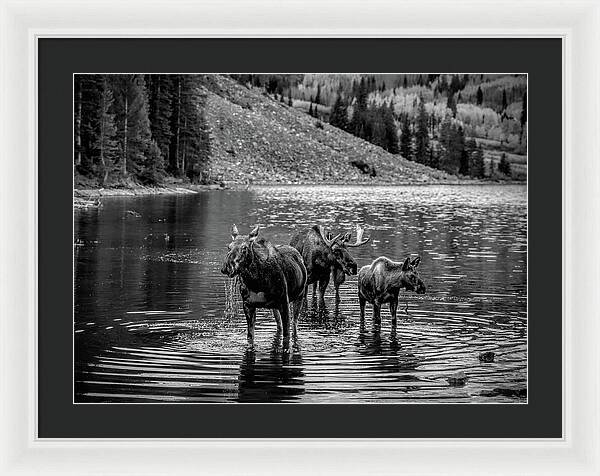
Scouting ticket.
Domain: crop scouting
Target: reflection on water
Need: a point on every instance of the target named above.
(156, 321)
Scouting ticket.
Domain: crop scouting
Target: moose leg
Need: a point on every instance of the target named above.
(314, 290)
(337, 293)
(250, 313)
(323, 283)
(284, 311)
(393, 309)
(304, 298)
(277, 319)
(296, 308)
(362, 302)
(376, 312)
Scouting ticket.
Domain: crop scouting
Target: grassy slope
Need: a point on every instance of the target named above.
(254, 138)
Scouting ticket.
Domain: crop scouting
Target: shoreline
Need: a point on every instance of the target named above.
(84, 198)
(90, 197)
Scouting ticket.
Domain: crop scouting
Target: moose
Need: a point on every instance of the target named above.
(270, 277)
(323, 255)
(381, 282)
(337, 272)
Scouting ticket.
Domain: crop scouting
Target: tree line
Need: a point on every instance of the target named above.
(430, 131)
(368, 121)
(377, 124)
(142, 128)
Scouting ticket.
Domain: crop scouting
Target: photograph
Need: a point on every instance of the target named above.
(306, 238)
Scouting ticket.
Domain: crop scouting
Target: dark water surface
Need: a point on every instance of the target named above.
(156, 321)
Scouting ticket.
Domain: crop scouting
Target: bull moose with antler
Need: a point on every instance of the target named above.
(270, 276)
(322, 255)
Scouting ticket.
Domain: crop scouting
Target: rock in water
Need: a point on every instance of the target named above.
(486, 356)
(457, 379)
(506, 392)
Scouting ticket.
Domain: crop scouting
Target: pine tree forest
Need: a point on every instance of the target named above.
(460, 123)
(134, 128)
(149, 129)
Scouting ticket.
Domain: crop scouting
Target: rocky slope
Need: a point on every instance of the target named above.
(259, 140)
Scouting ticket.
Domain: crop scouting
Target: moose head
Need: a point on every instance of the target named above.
(240, 251)
(411, 279)
(339, 248)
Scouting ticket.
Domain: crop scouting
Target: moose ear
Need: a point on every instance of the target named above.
(254, 233)
(346, 237)
(406, 264)
(234, 232)
(414, 263)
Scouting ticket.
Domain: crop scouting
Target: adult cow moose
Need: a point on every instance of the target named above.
(270, 277)
(381, 282)
(323, 255)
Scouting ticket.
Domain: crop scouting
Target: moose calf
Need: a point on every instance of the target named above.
(381, 282)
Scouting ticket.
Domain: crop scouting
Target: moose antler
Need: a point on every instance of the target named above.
(360, 231)
(324, 235)
(234, 232)
(254, 233)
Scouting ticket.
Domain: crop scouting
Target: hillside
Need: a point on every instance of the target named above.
(254, 138)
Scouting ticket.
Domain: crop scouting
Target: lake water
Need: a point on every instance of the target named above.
(156, 321)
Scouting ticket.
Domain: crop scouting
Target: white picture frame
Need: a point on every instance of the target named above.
(576, 22)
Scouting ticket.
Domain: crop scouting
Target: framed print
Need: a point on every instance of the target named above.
(216, 291)
(261, 237)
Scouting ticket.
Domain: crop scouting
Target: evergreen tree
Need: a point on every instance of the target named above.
(455, 84)
(78, 106)
(451, 104)
(452, 139)
(106, 143)
(406, 140)
(443, 86)
(472, 166)
(160, 96)
(339, 113)
(476, 164)
(133, 125)
(479, 96)
(523, 117)
(461, 151)
(390, 130)
(504, 101)
(316, 112)
(504, 166)
(422, 134)
(176, 122)
(405, 83)
(310, 109)
(524, 110)
(88, 92)
(318, 97)
(153, 171)
(290, 102)
(193, 131)
(358, 124)
(434, 157)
